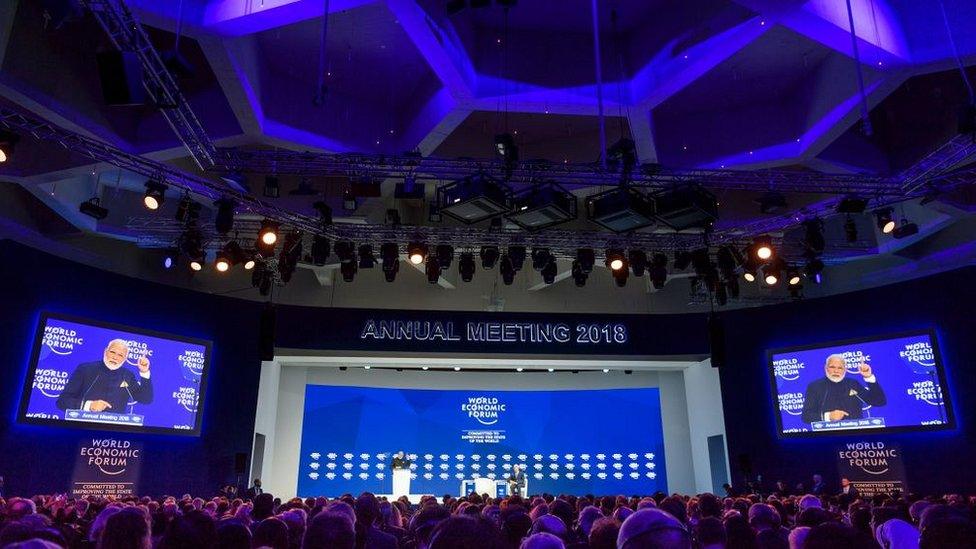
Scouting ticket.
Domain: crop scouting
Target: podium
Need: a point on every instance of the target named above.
(401, 483)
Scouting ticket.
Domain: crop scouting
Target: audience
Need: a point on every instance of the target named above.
(705, 521)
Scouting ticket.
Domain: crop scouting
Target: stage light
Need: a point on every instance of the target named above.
(549, 272)
(457, 368)
(224, 219)
(433, 270)
(291, 252)
(195, 253)
(345, 251)
(93, 208)
(222, 262)
(615, 260)
(249, 263)
(620, 277)
(390, 256)
(749, 275)
(519, 369)
(659, 270)
(8, 141)
(726, 262)
(262, 279)
(771, 278)
(886, 220)
(517, 255)
(541, 257)
(579, 277)
(367, 367)
(187, 211)
(686, 207)
(606, 370)
(233, 252)
(586, 258)
(320, 250)
(508, 270)
(366, 258)
(771, 202)
(474, 198)
(763, 247)
(416, 252)
(814, 269)
(445, 255)
(171, 258)
(814, 238)
(155, 195)
(466, 266)
(489, 257)
(196, 264)
(904, 230)
(621, 209)
(349, 200)
(348, 270)
(425, 368)
(268, 234)
(850, 230)
(793, 276)
(773, 271)
(543, 205)
(638, 262)
(272, 188)
(552, 370)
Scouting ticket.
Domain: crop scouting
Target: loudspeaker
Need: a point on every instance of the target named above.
(716, 340)
(267, 334)
(240, 463)
(121, 76)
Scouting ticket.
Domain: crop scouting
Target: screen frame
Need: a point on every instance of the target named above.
(45, 316)
(939, 367)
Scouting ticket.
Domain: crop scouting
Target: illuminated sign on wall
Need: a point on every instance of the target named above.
(494, 332)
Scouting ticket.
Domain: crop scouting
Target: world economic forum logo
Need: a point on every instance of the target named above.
(787, 369)
(137, 350)
(485, 410)
(853, 360)
(61, 341)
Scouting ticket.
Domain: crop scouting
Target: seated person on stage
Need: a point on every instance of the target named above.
(516, 481)
(834, 397)
(400, 461)
(106, 385)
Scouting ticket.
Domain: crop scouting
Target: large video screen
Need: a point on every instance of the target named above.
(574, 441)
(96, 375)
(882, 384)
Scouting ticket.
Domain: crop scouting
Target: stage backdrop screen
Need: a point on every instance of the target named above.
(882, 384)
(589, 441)
(95, 375)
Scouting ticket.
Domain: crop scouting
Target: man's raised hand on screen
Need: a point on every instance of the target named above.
(99, 405)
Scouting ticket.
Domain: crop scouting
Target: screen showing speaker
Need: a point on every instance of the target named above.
(95, 375)
(565, 441)
(879, 384)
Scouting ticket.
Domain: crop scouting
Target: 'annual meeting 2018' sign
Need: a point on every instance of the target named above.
(494, 332)
(106, 467)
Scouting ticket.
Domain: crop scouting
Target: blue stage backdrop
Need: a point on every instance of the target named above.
(565, 439)
(65, 346)
(908, 393)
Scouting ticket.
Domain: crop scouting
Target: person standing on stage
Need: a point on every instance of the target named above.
(400, 461)
(516, 481)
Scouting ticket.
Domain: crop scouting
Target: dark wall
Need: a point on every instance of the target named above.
(933, 460)
(40, 459)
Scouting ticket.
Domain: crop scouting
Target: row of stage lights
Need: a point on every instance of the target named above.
(518, 369)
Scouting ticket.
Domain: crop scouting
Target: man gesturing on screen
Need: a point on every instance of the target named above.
(836, 397)
(106, 385)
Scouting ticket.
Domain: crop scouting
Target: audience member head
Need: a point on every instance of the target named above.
(263, 507)
(550, 524)
(127, 529)
(955, 532)
(271, 532)
(587, 516)
(232, 534)
(653, 529)
(191, 530)
(334, 530)
(604, 533)
(711, 533)
(465, 532)
(542, 540)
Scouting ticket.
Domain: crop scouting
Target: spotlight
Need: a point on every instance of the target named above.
(850, 230)
(814, 238)
(659, 270)
(268, 234)
(551, 370)
(489, 257)
(904, 230)
(885, 219)
(519, 369)
(445, 255)
(793, 276)
(773, 271)
(291, 252)
(606, 370)
(543, 205)
(620, 276)
(549, 272)
(433, 270)
(457, 368)
(234, 254)
(7, 143)
(474, 198)
(749, 275)
(417, 253)
(249, 263)
(320, 250)
(771, 202)
(349, 200)
(586, 258)
(517, 255)
(686, 207)
(93, 208)
(763, 247)
(814, 270)
(390, 256)
(224, 220)
(155, 194)
(196, 264)
(191, 243)
(171, 258)
(262, 279)
(638, 262)
(621, 209)
(541, 257)
(366, 258)
(272, 188)
(222, 263)
(508, 270)
(466, 266)
(726, 262)
(615, 260)
(348, 271)
(579, 277)
(187, 211)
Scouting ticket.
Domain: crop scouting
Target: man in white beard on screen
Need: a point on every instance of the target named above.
(106, 385)
(836, 397)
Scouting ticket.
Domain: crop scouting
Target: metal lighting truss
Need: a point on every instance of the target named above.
(127, 35)
(937, 165)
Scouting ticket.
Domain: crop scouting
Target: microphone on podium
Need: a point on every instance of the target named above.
(854, 394)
